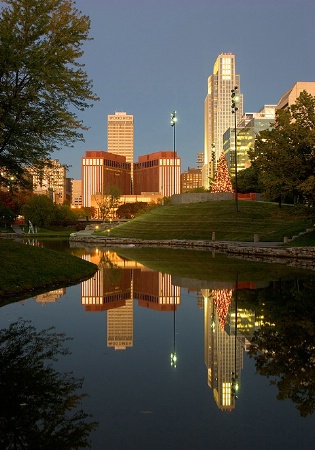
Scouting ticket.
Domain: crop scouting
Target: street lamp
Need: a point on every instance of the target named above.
(173, 123)
(234, 111)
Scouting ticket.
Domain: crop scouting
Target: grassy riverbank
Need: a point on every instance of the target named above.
(199, 220)
(28, 270)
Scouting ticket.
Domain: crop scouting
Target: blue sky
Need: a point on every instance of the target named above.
(150, 57)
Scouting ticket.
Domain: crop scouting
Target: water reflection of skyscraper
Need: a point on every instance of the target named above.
(114, 287)
(224, 342)
(119, 282)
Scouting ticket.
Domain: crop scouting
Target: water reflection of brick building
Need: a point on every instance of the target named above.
(108, 289)
(115, 286)
(118, 280)
(154, 290)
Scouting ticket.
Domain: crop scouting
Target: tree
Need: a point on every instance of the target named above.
(63, 216)
(284, 156)
(108, 202)
(42, 82)
(7, 209)
(131, 210)
(222, 180)
(43, 212)
(39, 210)
(248, 181)
(283, 347)
(40, 407)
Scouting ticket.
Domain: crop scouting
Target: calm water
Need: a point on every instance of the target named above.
(128, 322)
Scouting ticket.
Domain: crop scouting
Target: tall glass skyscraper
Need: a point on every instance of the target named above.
(218, 116)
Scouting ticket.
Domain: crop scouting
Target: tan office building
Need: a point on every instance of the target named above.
(218, 116)
(293, 93)
(76, 193)
(120, 136)
(51, 181)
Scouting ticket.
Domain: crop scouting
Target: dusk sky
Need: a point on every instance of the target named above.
(150, 57)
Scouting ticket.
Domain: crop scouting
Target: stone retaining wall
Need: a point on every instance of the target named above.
(198, 197)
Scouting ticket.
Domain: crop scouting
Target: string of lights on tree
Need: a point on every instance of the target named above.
(222, 179)
(222, 299)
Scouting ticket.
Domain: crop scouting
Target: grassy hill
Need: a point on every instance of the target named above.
(199, 220)
(31, 270)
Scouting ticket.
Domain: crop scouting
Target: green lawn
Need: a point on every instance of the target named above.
(199, 220)
(30, 270)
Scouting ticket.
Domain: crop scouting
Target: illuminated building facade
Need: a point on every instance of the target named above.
(249, 126)
(218, 115)
(290, 96)
(200, 160)
(102, 171)
(76, 193)
(120, 136)
(191, 179)
(51, 181)
(157, 172)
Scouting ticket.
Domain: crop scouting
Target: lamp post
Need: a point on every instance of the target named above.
(173, 123)
(234, 111)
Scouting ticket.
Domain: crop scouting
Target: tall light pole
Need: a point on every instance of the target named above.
(234, 111)
(173, 123)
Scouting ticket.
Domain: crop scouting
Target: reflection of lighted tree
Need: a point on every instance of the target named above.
(222, 300)
(40, 407)
(283, 348)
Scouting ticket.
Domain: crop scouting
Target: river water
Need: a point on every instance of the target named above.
(179, 350)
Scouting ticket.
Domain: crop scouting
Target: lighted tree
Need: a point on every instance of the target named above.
(222, 179)
(222, 300)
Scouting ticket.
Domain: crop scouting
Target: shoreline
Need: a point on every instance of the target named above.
(302, 257)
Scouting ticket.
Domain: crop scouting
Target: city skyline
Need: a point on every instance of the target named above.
(149, 58)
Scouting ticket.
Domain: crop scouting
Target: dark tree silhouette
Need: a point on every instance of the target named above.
(283, 348)
(40, 407)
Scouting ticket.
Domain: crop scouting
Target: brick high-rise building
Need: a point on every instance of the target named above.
(157, 172)
(101, 171)
(191, 179)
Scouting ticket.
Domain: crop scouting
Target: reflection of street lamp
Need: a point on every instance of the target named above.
(173, 354)
(235, 382)
(173, 123)
(234, 111)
